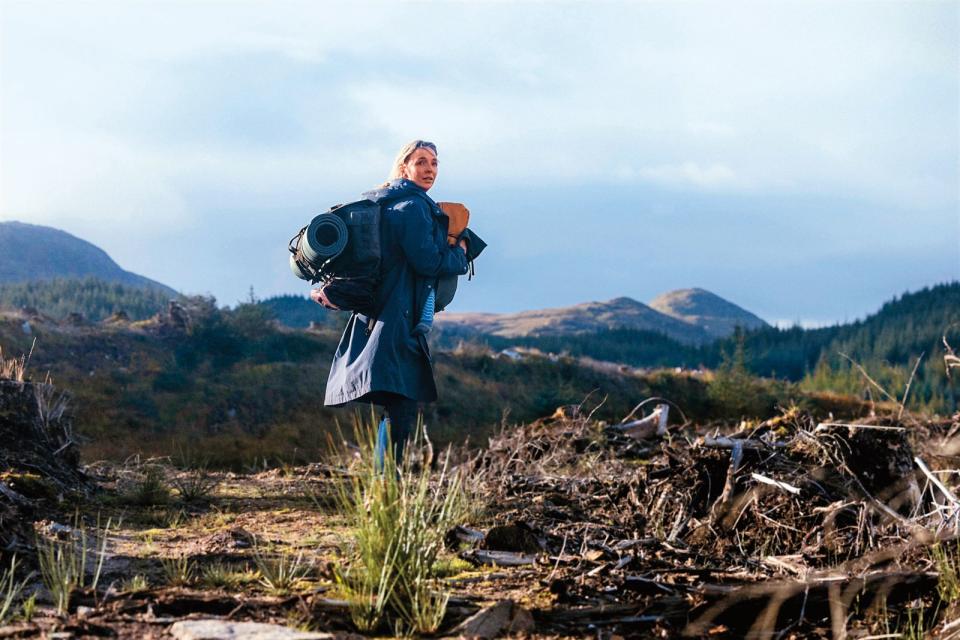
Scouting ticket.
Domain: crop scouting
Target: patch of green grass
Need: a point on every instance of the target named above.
(220, 575)
(136, 584)
(397, 519)
(195, 486)
(280, 573)
(28, 608)
(178, 571)
(10, 589)
(63, 563)
(150, 490)
(450, 566)
(947, 560)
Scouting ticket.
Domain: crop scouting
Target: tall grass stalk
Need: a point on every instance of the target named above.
(947, 561)
(63, 564)
(10, 589)
(398, 519)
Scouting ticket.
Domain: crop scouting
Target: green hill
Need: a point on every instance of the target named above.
(886, 343)
(94, 298)
(30, 252)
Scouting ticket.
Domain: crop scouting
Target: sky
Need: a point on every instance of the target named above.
(801, 160)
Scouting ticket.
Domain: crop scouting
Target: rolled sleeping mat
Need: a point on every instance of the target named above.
(300, 271)
(325, 239)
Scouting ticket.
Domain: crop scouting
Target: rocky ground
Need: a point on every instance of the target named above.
(782, 529)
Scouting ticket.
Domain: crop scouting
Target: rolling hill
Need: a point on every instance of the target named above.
(691, 316)
(716, 316)
(31, 252)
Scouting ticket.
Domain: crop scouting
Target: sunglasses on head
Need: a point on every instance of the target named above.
(420, 144)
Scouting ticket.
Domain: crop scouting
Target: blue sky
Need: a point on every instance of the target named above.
(798, 159)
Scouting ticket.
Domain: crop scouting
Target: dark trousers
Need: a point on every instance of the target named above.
(402, 412)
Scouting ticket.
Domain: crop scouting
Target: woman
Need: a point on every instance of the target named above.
(380, 359)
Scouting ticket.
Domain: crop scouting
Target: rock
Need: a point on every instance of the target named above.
(226, 630)
(513, 537)
(504, 617)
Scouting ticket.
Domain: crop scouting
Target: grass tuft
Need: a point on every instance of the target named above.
(178, 571)
(220, 575)
(149, 490)
(947, 560)
(280, 573)
(136, 584)
(195, 486)
(10, 589)
(398, 519)
(63, 563)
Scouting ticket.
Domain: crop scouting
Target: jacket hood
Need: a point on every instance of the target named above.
(397, 188)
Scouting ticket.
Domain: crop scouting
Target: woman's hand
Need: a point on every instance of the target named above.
(463, 244)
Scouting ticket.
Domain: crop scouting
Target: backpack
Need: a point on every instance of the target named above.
(340, 248)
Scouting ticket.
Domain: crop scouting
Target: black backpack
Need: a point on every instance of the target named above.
(340, 248)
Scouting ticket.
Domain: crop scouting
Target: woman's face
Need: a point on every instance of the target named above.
(421, 168)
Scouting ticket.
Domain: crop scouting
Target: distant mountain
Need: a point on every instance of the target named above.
(587, 317)
(691, 316)
(716, 316)
(31, 252)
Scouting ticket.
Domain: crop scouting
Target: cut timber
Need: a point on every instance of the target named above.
(504, 617)
(499, 558)
(653, 425)
(227, 630)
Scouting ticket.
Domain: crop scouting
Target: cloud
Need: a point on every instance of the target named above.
(138, 121)
(693, 174)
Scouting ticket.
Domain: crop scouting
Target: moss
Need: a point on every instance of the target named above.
(31, 485)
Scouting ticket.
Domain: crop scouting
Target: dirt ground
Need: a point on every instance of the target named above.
(786, 529)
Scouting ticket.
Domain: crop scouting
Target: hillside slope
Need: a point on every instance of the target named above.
(582, 318)
(31, 252)
(716, 316)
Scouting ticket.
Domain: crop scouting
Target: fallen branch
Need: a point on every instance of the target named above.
(776, 483)
(936, 481)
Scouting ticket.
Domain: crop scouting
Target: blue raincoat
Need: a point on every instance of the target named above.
(382, 355)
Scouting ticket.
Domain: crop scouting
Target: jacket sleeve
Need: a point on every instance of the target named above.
(420, 247)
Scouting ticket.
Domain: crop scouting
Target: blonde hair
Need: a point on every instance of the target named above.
(396, 171)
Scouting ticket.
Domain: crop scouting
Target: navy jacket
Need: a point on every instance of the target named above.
(414, 254)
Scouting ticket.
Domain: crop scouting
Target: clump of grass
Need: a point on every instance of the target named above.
(220, 575)
(150, 490)
(29, 608)
(398, 518)
(136, 584)
(947, 560)
(451, 566)
(10, 589)
(63, 563)
(915, 625)
(195, 486)
(280, 573)
(15, 368)
(178, 571)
